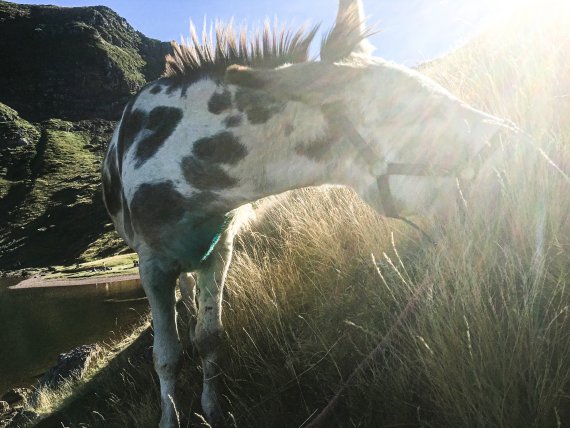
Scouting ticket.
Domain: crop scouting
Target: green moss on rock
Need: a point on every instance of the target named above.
(18, 141)
(55, 212)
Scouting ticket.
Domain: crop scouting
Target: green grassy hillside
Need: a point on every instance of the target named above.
(72, 63)
(65, 75)
(52, 210)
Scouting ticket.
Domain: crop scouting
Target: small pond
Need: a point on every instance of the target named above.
(36, 325)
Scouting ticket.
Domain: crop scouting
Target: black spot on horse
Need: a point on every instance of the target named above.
(205, 201)
(198, 217)
(205, 176)
(156, 89)
(153, 201)
(131, 124)
(162, 121)
(317, 150)
(223, 147)
(112, 189)
(288, 129)
(220, 101)
(232, 121)
(173, 85)
(257, 105)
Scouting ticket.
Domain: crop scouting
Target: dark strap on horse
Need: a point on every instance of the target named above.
(383, 170)
(383, 182)
(341, 124)
(415, 169)
(376, 160)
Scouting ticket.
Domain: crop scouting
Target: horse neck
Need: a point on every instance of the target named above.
(293, 149)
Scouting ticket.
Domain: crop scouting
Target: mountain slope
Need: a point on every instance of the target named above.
(65, 75)
(72, 63)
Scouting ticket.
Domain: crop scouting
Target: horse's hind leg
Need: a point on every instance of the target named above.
(187, 285)
(159, 284)
(209, 329)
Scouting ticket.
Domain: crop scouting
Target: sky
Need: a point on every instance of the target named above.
(412, 31)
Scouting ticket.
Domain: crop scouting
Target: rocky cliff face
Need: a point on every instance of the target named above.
(72, 63)
(65, 76)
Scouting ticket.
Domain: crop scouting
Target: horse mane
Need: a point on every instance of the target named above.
(195, 58)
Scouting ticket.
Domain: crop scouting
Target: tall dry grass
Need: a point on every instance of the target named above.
(487, 342)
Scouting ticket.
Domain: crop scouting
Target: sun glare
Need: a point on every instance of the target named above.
(502, 12)
(503, 9)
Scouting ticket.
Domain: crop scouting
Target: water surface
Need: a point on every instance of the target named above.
(36, 325)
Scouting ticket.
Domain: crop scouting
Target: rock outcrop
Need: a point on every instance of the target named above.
(71, 365)
(72, 63)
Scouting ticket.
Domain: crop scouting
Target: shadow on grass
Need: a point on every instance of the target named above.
(126, 392)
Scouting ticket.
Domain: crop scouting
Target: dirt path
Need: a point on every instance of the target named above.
(40, 282)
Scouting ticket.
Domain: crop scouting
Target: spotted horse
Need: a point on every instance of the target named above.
(231, 122)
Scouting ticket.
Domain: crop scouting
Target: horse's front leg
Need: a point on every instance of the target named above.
(187, 284)
(209, 335)
(159, 285)
(209, 330)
